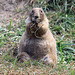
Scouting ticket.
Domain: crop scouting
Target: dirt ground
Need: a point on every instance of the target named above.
(12, 9)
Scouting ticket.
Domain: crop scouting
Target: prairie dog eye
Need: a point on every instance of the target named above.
(41, 11)
(32, 11)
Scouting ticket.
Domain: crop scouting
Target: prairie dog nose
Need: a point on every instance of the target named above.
(36, 17)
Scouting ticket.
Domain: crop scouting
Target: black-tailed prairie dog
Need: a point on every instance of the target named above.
(37, 41)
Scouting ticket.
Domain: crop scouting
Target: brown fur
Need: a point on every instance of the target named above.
(38, 41)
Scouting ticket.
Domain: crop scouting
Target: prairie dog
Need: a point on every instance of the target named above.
(37, 41)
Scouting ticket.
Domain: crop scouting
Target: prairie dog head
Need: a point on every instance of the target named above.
(37, 15)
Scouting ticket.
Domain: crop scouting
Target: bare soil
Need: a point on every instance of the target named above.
(12, 9)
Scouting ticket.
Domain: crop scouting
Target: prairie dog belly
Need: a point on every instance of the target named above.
(36, 48)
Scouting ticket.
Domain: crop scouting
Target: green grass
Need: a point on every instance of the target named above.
(65, 51)
(62, 26)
